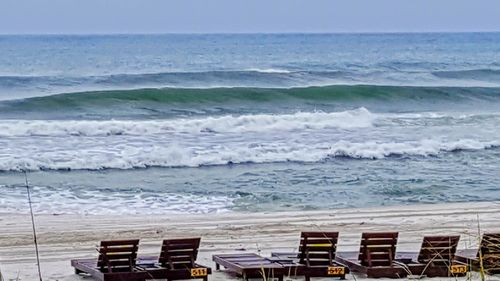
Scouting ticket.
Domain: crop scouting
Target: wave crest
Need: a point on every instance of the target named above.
(357, 118)
(175, 101)
(180, 156)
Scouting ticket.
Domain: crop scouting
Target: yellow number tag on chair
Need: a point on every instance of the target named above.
(455, 269)
(335, 270)
(320, 245)
(197, 272)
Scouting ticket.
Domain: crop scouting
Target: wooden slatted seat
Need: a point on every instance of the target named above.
(378, 249)
(117, 256)
(250, 265)
(178, 259)
(438, 250)
(317, 252)
(376, 257)
(437, 258)
(316, 256)
(488, 252)
(116, 262)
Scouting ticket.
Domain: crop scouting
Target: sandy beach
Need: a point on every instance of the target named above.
(63, 237)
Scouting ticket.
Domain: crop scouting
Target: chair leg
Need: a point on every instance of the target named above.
(78, 271)
(217, 266)
(307, 278)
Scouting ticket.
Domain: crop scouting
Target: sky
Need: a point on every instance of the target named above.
(246, 16)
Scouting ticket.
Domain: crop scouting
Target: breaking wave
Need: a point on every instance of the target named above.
(224, 124)
(130, 157)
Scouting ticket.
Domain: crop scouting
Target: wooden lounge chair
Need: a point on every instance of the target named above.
(249, 265)
(488, 252)
(436, 258)
(376, 257)
(316, 257)
(177, 261)
(116, 262)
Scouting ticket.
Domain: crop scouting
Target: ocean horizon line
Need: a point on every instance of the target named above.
(249, 33)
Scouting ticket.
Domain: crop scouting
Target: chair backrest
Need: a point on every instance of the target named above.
(179, 253)
(118, 255)
(438, 250)
(318, 248)
(378, 249)
(490, 250)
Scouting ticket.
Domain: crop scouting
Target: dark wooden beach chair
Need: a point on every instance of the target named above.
(316, 257)
(436, 258)
(488, 253)
(249, 265)
(177, 261)
(376, 257)
(116, 262)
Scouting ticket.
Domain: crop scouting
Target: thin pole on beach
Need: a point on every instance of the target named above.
(33, 225)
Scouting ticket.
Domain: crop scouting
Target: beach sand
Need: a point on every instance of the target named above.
(64, 237)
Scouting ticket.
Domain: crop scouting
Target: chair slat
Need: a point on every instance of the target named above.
(117, 255)
(378, 249)
(179, 253)
(438, 250)
(318, 248)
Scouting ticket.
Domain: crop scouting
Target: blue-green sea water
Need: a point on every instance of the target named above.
(249, 122)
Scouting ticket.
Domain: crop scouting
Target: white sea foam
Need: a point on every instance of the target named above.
(425, 147)
(269, 70)
(358, 118)
(260, 138)
(127, 156)
(82, 201)
(350, 119)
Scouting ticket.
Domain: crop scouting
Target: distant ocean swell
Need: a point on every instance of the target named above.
(470, 74)
(207, 78)
(262, 78)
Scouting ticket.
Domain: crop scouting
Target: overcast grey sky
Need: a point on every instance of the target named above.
(235, 16)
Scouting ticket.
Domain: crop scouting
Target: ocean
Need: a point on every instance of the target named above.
(190, 123)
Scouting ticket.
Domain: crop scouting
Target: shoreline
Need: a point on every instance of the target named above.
(65, 237)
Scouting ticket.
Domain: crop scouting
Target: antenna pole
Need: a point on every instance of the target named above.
(33, 225)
